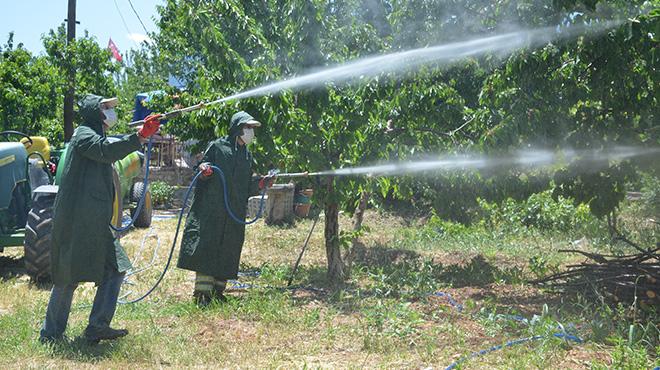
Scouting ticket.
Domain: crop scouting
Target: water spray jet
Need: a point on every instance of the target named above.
(524, 159)
(409, 60)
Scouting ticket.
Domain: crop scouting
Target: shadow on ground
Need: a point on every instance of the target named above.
(386, 272)
(79, 349)
(14, 268)
(479, 272)
(11, 267)
(381, 255)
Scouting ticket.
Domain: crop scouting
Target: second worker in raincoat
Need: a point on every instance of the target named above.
(212, 240)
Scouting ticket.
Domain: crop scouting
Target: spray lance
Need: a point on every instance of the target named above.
(202, 105)
(178, 112)
(276, 173)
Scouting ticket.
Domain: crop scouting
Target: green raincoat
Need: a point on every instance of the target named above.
(82, 242)
(212, 240)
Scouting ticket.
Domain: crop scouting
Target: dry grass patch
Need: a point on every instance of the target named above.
(361, 326)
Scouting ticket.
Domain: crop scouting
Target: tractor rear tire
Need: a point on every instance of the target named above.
(38, 238)
(144, 218)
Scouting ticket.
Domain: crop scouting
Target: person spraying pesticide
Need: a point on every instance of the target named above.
(84, 248)
(212, 240)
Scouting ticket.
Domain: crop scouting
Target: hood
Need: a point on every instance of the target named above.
(90, 111)
(237, 122)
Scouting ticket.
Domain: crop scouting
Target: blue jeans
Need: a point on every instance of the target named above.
(103, 310)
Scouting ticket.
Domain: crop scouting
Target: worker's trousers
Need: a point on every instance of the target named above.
(103, 309)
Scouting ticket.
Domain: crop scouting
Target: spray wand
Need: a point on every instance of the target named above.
(178, 112)
(276, 173)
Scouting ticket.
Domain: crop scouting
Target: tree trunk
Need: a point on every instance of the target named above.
(332, 246)
(359, 212)
(358, 217)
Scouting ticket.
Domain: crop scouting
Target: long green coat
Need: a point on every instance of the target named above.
(82, 241)
(212, 240)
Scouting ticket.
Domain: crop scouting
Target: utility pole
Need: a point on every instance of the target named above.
(71, 72)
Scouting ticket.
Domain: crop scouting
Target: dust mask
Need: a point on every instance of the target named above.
(110, 117)
(248, 135)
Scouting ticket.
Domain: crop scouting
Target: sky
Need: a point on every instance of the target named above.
(31, 19)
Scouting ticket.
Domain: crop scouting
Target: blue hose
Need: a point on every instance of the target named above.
(238, 285)
(511, 343)
(223, 181)
(176, 235)
(145, 188)
(452, 302)
(178, 225)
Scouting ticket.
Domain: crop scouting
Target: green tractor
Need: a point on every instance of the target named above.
(28, 184)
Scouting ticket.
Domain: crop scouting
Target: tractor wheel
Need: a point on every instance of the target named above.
(144, 218)
(38, 238)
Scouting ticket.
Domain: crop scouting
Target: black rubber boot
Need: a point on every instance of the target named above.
(219, 289)
(95, 335)
(202, 299)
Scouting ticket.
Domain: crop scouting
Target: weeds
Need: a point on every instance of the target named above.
(391, 320)
(626, 357)
(406, 279)
(384, 308)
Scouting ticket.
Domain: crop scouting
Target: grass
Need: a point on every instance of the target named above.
(382, 318)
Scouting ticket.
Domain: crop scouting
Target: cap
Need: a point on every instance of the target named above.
(110, 102)
(253, 122)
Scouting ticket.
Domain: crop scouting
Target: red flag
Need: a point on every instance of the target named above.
(115, 51)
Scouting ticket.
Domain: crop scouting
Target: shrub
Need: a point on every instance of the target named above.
(651, 195)
(540, 211)
(161, 193)
(454, 197)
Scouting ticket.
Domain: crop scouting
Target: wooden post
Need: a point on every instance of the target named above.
(71, 72)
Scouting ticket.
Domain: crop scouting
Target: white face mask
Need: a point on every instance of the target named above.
(110, 117)
(248, 135)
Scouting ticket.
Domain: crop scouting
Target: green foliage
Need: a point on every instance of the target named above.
(93, 64)
(622, 325)
(220, 48)
(541, 267)
(628, 357)
(539, 211)
(407, 278)
(143, 72)
(456, 197)
(391, 318)
(30, 87)
(443, 227)
(602, 190)
(651, 195)
(592, 92)
(161, 193)
(347, 237)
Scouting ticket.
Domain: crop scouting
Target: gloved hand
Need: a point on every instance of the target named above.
(52, 168)
(205, 169)
(266, 181)
(151, 125)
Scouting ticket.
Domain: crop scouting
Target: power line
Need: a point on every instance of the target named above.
(124, 22)
(138, 17)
